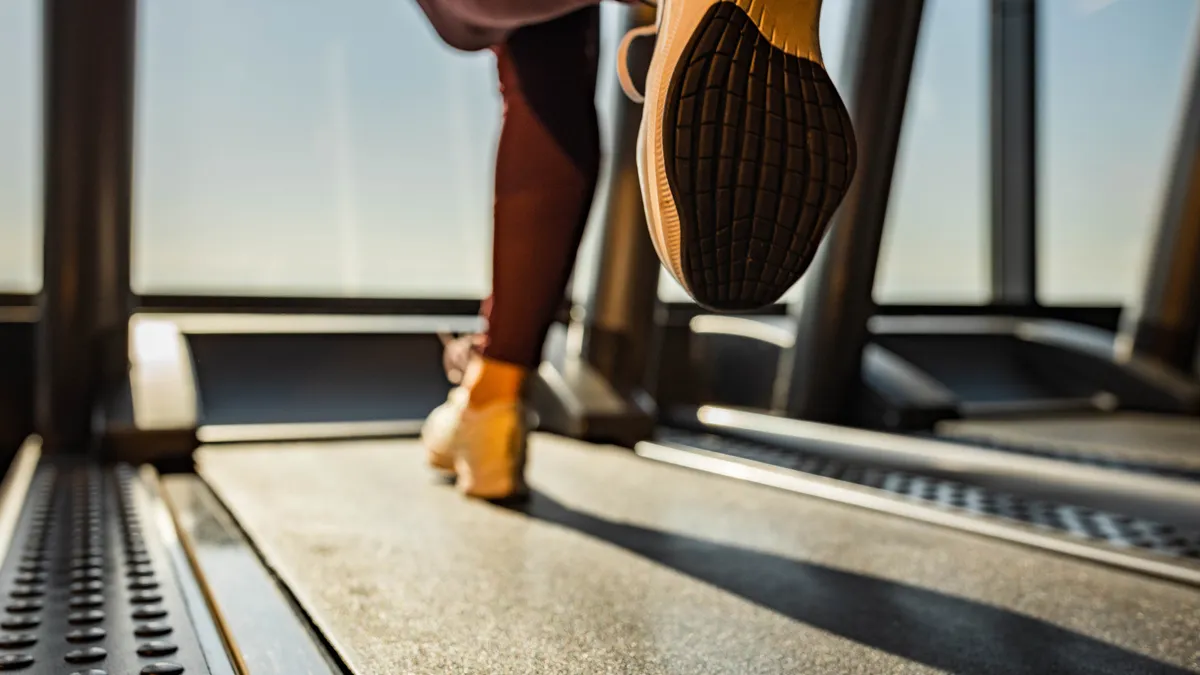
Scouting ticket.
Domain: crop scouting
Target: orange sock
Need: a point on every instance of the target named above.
(489, 381)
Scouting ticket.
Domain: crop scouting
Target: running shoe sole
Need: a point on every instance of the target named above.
(747, 149)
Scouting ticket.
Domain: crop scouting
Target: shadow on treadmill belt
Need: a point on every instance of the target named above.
(939, 630)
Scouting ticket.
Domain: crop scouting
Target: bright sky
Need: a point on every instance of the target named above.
(333, 148)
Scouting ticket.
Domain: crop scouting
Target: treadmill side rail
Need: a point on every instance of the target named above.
(1156, 498)
(884, 502)
(271, 632)
(92, 576)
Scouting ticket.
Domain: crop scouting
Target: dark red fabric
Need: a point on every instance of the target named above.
(546, 170)
(548, 157)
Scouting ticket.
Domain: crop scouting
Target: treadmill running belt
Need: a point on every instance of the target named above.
(619, 564)
(1166, 445)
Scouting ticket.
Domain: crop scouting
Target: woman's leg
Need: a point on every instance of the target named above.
(546, 169)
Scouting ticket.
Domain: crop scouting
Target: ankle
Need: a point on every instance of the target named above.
(489, 381)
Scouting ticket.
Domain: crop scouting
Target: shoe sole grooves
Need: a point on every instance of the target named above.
(759, 154)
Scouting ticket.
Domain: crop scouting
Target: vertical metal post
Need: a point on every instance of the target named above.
(1166, 325)
(821, 371)
(85, 299)
(1014, 151)
(620, 313)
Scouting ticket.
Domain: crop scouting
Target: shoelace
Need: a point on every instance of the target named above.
(623, 75)
(456, 354)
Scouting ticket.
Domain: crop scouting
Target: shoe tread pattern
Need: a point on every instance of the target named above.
(759, 154)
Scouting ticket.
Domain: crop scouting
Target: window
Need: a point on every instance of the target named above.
(1107, 119)
(936, 239)
(20, 147)
(317, 148)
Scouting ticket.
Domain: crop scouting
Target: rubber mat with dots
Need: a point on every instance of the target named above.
(1100, 527)
(87, 586)
(759, 154)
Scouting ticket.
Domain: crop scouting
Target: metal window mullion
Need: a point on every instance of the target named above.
(1014, 151)
(88, 129)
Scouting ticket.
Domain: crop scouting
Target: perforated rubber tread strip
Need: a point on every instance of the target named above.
(759, 153)
(87, 585)
(1097, 526)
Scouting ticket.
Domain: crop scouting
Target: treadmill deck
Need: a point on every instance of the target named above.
(624, 565)
(1126, 438)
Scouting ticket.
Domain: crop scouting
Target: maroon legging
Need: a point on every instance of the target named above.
(548, 158)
